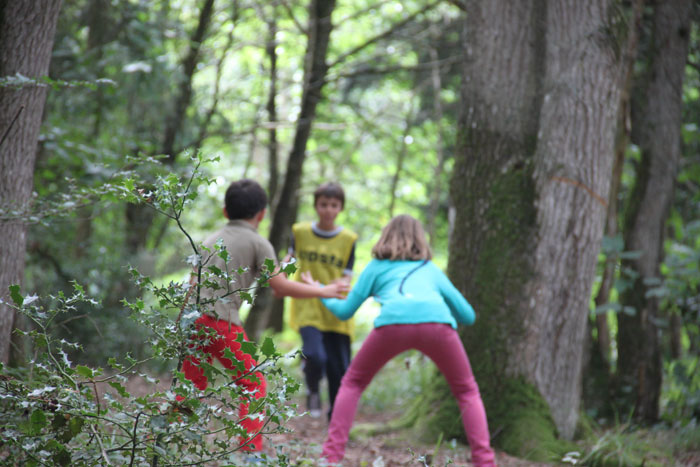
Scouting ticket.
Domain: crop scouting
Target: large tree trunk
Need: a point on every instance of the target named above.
(26, 40)
(530, 185)
(639, 361)
(315, 70)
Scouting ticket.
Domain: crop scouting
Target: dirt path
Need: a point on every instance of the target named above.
(303, 443)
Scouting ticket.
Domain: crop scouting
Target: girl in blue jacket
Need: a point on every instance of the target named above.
(420, 309)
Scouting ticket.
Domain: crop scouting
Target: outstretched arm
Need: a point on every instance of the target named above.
(345, 309)
(284, 287)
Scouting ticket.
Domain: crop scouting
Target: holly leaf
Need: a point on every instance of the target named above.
(16, 295)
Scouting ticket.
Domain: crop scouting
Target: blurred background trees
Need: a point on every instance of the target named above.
(551, 122)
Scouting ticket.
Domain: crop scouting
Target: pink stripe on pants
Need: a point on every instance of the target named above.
(439, 342)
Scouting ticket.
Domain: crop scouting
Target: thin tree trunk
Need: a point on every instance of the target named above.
(603, 340)
(639, 362)
(204, 127)
(272, 146)
(440, 149)
(176, 116)
(315, 71)
(400, 158)
(140, 218)
(26, 40)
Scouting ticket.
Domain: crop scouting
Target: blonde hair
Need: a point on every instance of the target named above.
(402, 238)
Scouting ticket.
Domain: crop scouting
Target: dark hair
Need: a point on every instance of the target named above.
(330, 190)
(244, 199)
(402, 238)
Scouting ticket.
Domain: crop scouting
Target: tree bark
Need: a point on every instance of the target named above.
(315, 70)
(140, 218)
(177, 115)
(639, 354)
(530, 185)
(272, 145)
(26, 40)
(597, 364)
(436, 189)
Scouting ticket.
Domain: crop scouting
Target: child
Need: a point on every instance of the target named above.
(245, 208)
(327, 251)
(420, 309)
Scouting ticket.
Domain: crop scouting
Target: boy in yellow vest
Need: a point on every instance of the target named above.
(327, 251)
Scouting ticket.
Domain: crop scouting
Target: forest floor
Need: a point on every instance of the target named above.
(303, 444)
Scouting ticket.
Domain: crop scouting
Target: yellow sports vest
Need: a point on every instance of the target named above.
(326, 259)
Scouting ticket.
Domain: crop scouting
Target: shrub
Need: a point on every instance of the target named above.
(59, 413)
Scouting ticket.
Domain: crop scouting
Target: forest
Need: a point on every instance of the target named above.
(550, 149)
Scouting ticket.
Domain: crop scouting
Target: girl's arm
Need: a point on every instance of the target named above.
(345, 309)
(460, 307)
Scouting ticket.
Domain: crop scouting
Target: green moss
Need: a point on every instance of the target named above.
(521, 424)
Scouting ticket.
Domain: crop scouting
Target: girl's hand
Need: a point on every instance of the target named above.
(335, 290)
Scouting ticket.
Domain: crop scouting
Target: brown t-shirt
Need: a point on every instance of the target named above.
(246, 249)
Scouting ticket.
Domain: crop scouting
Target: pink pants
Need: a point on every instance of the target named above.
(228, 334)
(439, 342)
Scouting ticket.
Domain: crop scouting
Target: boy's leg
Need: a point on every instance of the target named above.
(381, 345)
(229, 333)
(337, 347)
(314, 354)
(442, 344)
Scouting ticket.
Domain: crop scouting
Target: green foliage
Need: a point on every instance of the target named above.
(682, 390)
(624, 445)
(61, 413)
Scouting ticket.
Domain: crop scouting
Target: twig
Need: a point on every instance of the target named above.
(102, 448)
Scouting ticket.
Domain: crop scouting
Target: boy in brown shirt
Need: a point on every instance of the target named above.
(245, 207)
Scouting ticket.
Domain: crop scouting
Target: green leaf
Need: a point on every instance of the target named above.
(246, 296)
(268, 347)
(249, 347)
(84, 371)
(120, 389)
(75, 424)
(37, 421)
(16, 295)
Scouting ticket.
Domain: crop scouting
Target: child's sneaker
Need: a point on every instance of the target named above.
(313, 404)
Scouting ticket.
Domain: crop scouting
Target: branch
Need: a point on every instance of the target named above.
(294, 19)
(102, 448)
(393, 69)
(383, 35)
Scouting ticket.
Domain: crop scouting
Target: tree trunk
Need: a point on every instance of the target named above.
(139, 217)
(26, 40)
(597, 366)
(315, 70)
(530, 184)
(639, 361)
(272, 146)
(177, 115)
(436, 188)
